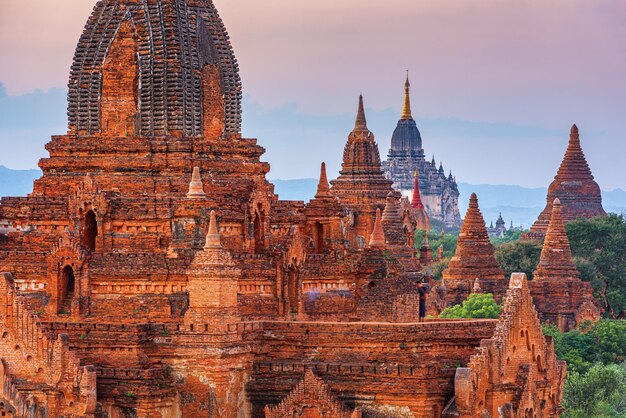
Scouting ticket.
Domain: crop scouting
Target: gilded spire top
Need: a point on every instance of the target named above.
(406, 110)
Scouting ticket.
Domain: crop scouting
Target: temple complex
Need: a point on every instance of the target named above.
(575, 188)
(153, 272)
(439, 193)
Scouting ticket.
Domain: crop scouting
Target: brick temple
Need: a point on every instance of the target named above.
(153, 272)
(439, 193)
(574, 186)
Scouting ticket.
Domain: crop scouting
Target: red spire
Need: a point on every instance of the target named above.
(417, 198)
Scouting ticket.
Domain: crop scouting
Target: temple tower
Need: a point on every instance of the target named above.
(474, 258)
(423, 221)
(406, 156)
(559, 294)
(361, 185)
(574, 186)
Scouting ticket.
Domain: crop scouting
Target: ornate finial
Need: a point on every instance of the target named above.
(213, 237)
(196, 188)
(406, 110)
(473, 200)
(361, 122)
(574, 137)
(377, 239)
(323, 190)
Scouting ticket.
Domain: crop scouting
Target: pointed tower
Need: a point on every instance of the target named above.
(212, 281)
(392, 221)
(323, 189)
(559, 294)
(474, 256)
(422, 218)
(324, 216)
(556, 255)
(440, 253)
(361, 185)
(196, 188)
(574, 186)
(377, 239)
(426, 253)
(439, 194)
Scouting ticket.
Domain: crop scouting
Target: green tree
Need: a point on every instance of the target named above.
(599, 247)
(597, 393)
(507, 236)
(603, 342)
(477, 305)
(519, 257)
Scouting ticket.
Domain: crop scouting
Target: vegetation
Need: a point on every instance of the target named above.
(507, 236)
(599, 249)
(597, 393)
(596, 380)
(603, 342)
(477, 305)
(435, 239)
(519, 257)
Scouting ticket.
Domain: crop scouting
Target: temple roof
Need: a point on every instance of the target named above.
(174, 41)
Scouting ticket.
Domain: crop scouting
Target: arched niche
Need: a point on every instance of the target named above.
(67, 287)
(89, 231)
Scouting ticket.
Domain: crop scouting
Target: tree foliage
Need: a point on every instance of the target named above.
(510, 235)
(599, 248)
(519, 257)
(603, 342)
(596, 372)
(477, 305)
(597, 393)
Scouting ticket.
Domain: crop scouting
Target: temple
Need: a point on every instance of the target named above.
(575, 188)
(153, 272)
(439, 193)
(562, 298)
(474, 258)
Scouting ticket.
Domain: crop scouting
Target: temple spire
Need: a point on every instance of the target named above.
(377, 239)
(213, 236)
(416, 203)
(556, 255)
(406, 110)
(360, 123)
(196, 188)
(323, 190)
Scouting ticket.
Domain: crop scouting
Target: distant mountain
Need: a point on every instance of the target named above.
(520, 204)
(17, 182)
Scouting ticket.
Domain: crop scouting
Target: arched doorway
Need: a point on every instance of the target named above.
(89, 231)
(67, 287)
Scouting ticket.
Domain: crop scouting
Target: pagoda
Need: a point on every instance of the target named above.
(439, 193)
(575, 188)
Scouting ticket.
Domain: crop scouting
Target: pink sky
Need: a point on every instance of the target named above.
(529, 62)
